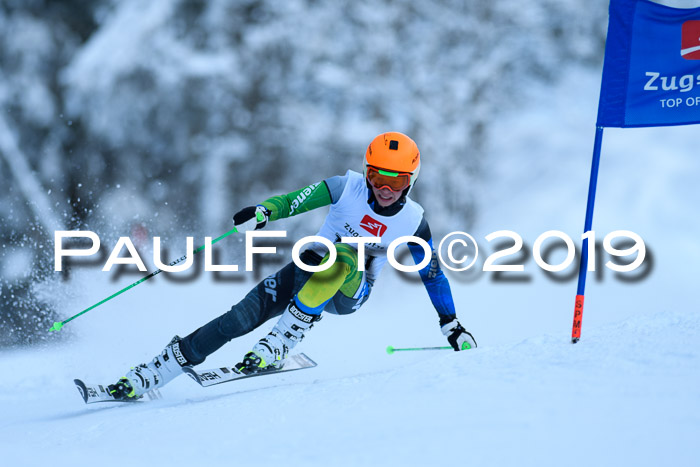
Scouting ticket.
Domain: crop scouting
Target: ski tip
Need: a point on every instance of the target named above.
(390, 350)
(82, 389)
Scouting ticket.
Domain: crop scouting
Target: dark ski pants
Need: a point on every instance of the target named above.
(267, 300)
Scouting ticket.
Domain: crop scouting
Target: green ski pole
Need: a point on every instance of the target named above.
(390, 350)
(59, 324)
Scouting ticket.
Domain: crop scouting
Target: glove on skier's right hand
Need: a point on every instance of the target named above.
(251, 218)
(457, 336)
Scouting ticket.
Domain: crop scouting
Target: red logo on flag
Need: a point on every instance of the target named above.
(690, 40)
(372, 226)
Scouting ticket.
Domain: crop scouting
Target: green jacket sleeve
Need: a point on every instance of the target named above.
(308, 198)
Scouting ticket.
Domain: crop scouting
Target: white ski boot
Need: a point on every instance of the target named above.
(271, 351)
(147, 377)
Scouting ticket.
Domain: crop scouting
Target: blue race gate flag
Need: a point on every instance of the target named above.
(651, 77)
(651, 73)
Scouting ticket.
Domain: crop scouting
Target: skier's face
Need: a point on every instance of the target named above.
(385, 197)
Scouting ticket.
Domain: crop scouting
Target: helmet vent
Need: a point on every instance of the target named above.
(393, 144)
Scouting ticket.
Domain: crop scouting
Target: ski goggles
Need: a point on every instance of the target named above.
(395, 181)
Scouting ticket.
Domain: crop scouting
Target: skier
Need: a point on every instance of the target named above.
(373, 204)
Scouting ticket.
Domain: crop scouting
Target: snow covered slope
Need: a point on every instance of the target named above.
(627, 396)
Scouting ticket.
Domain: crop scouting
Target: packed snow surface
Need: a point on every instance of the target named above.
(625, 395)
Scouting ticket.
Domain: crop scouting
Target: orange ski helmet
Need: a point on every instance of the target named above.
(392, 159)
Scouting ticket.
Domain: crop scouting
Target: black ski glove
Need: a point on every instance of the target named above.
(457, 336)
(251, 218)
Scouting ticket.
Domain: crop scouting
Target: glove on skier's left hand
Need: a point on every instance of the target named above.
(457, 336)
(251, 218)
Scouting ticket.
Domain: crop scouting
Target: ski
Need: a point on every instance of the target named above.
(92, 393)
(225, 374)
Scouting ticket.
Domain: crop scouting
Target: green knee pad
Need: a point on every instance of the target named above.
(343, 276)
